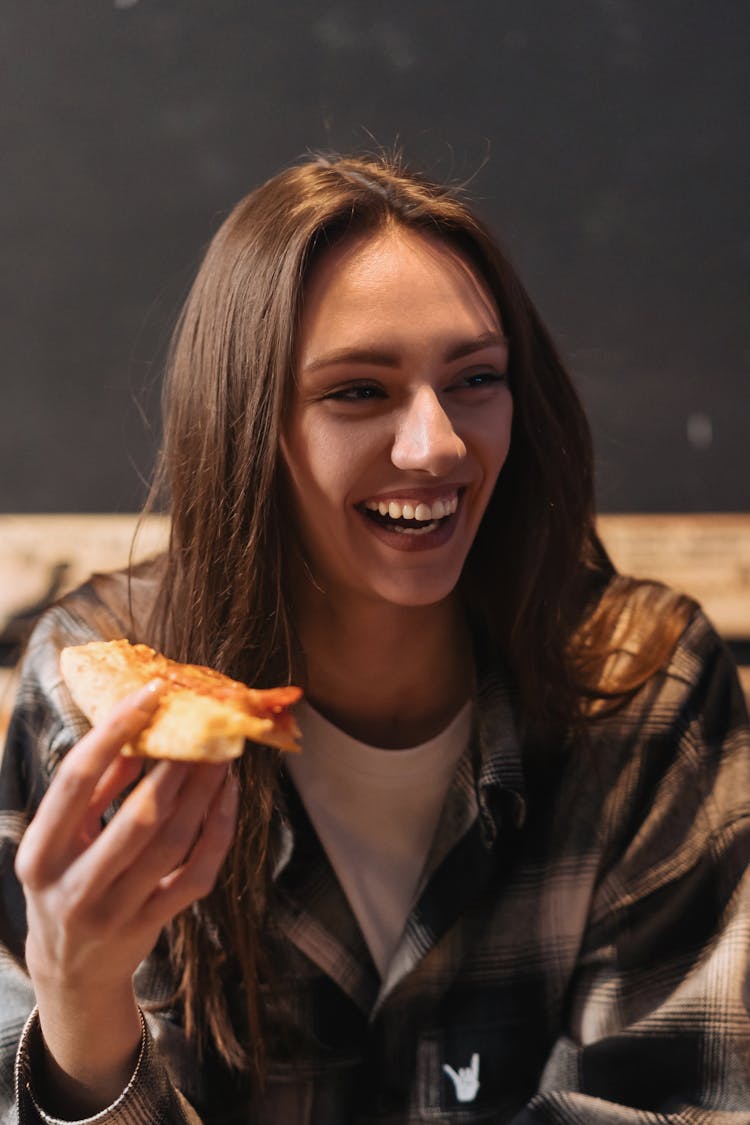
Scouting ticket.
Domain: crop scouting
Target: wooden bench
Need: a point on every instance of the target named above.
(42, 556)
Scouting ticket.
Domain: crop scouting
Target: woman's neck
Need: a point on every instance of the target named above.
(390, 676)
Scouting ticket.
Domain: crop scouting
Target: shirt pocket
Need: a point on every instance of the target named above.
(472, 1073)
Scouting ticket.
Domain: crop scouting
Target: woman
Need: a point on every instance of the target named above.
(504, 879)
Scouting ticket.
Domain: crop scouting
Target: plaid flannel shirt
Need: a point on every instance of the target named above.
(578, 953)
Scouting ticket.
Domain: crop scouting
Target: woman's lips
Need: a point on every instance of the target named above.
(413, 524)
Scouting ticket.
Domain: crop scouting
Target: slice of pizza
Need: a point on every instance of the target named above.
(202, 715)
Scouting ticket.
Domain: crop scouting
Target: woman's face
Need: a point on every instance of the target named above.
(400, 419)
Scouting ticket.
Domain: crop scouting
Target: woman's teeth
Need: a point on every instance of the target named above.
(411, 511)
(416, 510)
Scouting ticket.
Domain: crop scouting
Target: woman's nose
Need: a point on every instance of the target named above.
(425, 438)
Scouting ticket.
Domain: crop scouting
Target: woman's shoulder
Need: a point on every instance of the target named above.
(630, 633)
(109, 605)
(106, 607)
(673, 753)
(661, 653)
(635, 610)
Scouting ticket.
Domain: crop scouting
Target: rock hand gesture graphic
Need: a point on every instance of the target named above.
(466, 1081)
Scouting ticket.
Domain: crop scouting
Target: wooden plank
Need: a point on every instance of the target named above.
(43, 556)
(8, 681)
(745, 681)
(706, 556)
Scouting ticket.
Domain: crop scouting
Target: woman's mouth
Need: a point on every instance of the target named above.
(412, 519)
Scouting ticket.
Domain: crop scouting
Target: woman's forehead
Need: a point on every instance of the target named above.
(377, 280)
(360, 251)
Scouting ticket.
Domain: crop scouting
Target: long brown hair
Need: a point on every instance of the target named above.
(536, 569)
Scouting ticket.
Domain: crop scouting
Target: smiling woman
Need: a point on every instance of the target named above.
(506, 879)
(400, 420)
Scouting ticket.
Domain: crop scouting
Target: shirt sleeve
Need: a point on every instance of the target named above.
(658, 1027)
(43, 727)
(148, 1099)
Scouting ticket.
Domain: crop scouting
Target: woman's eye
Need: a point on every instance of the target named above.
(480, 379)
(359, 392)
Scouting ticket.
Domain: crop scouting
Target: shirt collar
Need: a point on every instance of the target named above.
(501, 788)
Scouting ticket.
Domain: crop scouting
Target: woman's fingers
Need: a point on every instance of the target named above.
(191, 840)
(150, 835)
(193, 879)
(97, 897)
(54, 835)
(118, 776)
(94, 904)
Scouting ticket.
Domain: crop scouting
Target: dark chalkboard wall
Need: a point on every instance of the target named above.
(608, 145)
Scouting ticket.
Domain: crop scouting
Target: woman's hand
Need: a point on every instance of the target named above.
(97, 897)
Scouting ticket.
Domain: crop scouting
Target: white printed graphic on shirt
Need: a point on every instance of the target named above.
(466, 1081)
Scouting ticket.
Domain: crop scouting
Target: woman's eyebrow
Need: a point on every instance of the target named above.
(377, 358)
(344, 356)
(487, 340)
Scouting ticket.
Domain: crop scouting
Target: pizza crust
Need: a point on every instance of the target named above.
(202, 715)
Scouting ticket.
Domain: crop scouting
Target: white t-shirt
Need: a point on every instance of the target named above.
(375, 812)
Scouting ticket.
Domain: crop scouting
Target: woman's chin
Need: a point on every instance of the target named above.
(415, 592)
